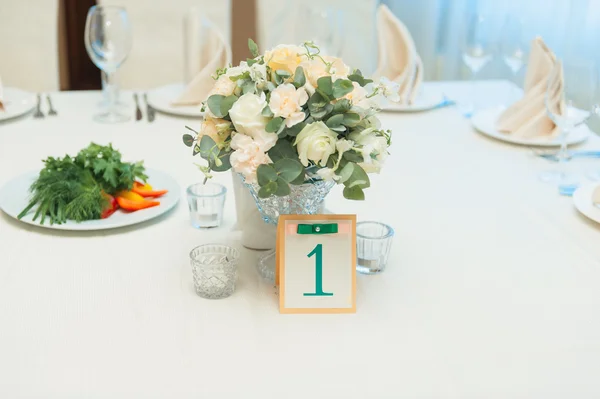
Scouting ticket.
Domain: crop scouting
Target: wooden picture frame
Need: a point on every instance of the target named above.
(347, 226)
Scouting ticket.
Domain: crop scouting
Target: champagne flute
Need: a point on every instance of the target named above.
(108, 42)
(513, 49)
(569, 99)
(476, 54)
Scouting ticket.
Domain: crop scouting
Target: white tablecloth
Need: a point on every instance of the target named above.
(492, 288)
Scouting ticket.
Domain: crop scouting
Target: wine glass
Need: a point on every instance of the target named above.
(513, 49)
(569, 98)
(476, 54)
(108, 42)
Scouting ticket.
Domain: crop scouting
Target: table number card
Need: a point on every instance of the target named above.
(316, 263)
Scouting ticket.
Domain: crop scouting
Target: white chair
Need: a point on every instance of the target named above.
(278, 20)
(157, 55)
(29, 44)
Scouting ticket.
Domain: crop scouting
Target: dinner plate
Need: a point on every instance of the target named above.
(484, 122)
(16, 102)
(429, 98)
(14, 197)
(582, 199)
(162, 99)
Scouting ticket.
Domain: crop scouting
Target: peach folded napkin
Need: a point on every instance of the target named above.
(214, 54)
(528, 117)
(398, 57)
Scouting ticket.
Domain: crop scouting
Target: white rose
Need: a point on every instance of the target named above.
(287, 101)
(247, 156)
(246, 114)
(316, 142)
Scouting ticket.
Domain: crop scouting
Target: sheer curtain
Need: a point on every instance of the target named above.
(438, 27)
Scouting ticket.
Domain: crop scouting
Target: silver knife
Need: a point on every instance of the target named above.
(150, 112)
(138, 111)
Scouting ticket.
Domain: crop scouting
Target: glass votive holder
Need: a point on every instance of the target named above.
(206, 202)
(373, 243)
(214, 269)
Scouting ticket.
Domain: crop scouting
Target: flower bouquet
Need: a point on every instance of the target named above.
(293, 123)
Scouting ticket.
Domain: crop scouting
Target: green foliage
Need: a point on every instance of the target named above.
(220, 105)
(267, 190)
(188, 140)
(283, 149)
(358, 77)
(289, 169)
(351, 119)
(267, 112)
(299, 78)
(274, 125)
(104, 162)
(354, 193)
(341, 87)
(342, 106)
(325, 87)
(266, 174)
(65, 190)
(253, 47)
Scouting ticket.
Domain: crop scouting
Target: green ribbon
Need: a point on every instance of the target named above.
(328, 228)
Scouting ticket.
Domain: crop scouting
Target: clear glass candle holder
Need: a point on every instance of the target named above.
(373, 243)
(214, 269)
(206, 202)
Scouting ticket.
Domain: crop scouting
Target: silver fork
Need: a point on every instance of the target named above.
(38, 114)
(52, 111)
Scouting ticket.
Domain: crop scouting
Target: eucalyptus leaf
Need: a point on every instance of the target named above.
(253, 47)
(225, 162)
(294, 130)
(345, 172)
(271, 86)
(341, 87)
(354, 193)
(351, 119)
(352, 156)
(322, 113)
(283, 188)
(342, 106)
(227, 103)
(316, 102)
(267, 112)
(251, 61)
(358, 178)
(283, 149)
(214, 104)
(335, 120)
(208, 148)
(325, 85)
(188, 140)
(283, 73)
(299, 77)
(249, 87)
(289, 169)
(196, 150)
(267, 190)
(274, 125)
(265, 174)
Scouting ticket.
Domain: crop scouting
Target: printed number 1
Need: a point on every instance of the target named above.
(318, 251)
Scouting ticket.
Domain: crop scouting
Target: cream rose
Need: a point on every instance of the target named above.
(316, 68)
(284, 57)
(316, 142)
(217, 129)
(248, 155)
(223, 86)
(246, 114)
(287, 101)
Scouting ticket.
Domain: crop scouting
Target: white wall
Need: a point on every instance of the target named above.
(29, 44)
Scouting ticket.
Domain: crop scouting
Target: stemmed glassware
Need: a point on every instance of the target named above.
(476, 53)
(108, 42)
(513, 49)
(569, 99)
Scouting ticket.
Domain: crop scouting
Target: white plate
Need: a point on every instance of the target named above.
(14, 197)
(429, 98)
(484, 121)
(16, 102)
(162, 99)
(582, 198)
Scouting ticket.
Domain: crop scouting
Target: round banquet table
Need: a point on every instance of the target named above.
(492, 288)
